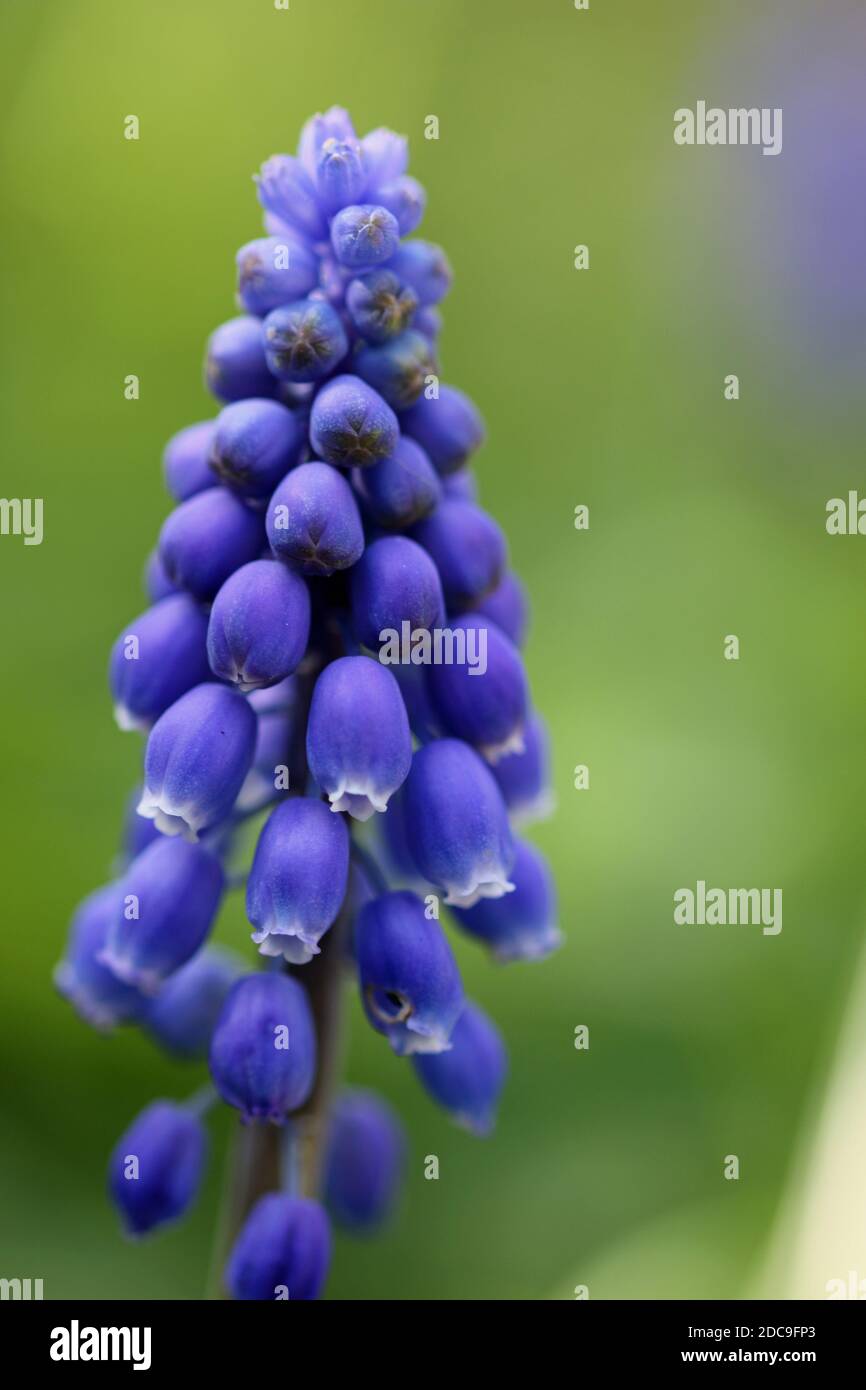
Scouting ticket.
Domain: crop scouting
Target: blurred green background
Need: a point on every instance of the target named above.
(602, 387)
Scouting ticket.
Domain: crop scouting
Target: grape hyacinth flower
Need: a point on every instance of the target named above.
(350, 424)
(206, 539)
(359, 748)
(410, 984)
(313, 521)
(401, 489)
(364, 236)
(508, 607)
(468, 1078)
(263, 1048)
(485, 707)
(166, 906)
(380, 306)
(304, 341)
(156, 1167)
(282, 1252)
(158, 658)
(259, 625)
(94, 991)
(254, 445)
(186, 461)
(524, 778)
(523, 924)
(457, 823)
(235, 364)
(298, 879)
(198, 754)
(393, 583)
(327, 513)
(364, 1163)
(425, 267)
(399, 369)
(181, 1017)
(447, 426)
(469, 550)
(273, 270)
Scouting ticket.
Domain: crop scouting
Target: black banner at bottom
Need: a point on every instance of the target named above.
(66, 1338)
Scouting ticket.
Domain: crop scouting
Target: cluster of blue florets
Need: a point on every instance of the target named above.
(328, 506)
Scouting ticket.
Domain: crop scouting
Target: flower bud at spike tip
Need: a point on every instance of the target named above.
(410, 985)
(398, 369)
(304, 341)
(273, 270)
(259, 625)
(313, 521)
(365, 1161)
(365, 236)
(156, 659)
(457, 824)
(350, 424)
(386, 156)
(197, 757)
(263, 1050)
(283, 1251)
(359, 747)
(335, 124)
(156, 1167)
(405, 199)
(467, 1080)
(340, 176)
(298, 879)
(425, 267)
(286, 190)
(380, 306)
(167, 903)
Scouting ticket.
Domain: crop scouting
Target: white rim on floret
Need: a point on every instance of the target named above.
(170, 817)
(493, 885)
(529, 945)
(424, 1038)
(287, 939)
(359, 797)
(495, 752)
(535, 808)
(128, 722)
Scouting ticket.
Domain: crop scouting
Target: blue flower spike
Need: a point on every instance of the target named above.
(337, 730)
